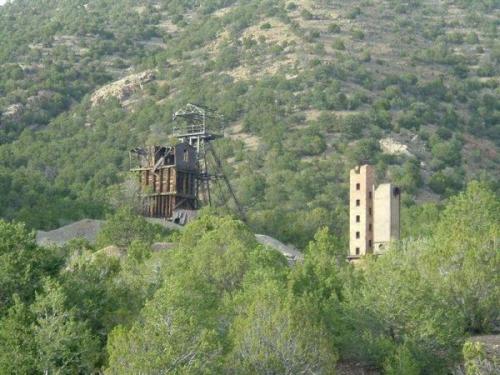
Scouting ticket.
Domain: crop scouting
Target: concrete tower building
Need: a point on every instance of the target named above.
(361, 211)
(386, 204)
(373, 213)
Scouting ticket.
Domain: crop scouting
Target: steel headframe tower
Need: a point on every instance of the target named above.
(196, 133)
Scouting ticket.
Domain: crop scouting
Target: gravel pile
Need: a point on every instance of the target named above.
(86, 229)
(290, 252)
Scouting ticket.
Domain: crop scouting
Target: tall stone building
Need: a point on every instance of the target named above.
(361, 210)
(374, 213)
(386, 202)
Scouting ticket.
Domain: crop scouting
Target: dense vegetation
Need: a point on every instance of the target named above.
(307, 90)
(311, 86)
(219, 302)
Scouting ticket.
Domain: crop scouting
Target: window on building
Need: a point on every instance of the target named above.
(358, 218)
(370, 211)
(358, 202)
(369, 227)
(357, 251)
(358, 186)
(186, 155)
(370, 244)
(357, 234)
(370, 194)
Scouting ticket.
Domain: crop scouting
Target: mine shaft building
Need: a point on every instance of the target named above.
(374, 218)
(167, 179)
(175, 181)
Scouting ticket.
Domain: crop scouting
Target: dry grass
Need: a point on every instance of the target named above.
(168, 26)
(236, 132)
(278, 33)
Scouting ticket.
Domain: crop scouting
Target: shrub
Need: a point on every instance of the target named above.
(122, 228)
(334, 28)
(401, 362)
(358, 34)
(306, 15)
(338, 44)
(353, 13)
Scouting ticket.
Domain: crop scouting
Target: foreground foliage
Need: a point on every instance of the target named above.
(219, 302)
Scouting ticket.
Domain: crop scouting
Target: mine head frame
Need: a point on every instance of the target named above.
(195, 131)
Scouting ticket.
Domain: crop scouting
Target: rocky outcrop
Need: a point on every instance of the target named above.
(122, 88)
(13, 112)
(392, 147)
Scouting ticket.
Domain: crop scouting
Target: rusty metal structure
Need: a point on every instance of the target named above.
(167, 179)
(191, 128)
(175, 180)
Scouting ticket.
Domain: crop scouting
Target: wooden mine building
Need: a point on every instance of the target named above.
(175, 180)
(168, 179)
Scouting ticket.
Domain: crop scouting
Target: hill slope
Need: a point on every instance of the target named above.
(307, 89)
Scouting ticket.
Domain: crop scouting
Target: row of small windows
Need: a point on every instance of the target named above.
(369, 246)
(358, 234)
(369, 230)
(358, 218)
(358, 202)
(358, 187)
(369, 243)
(369, 211)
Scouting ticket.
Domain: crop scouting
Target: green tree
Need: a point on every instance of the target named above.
(323, 271)
(125, 226)
(22, 264)
(397, 305)
(177, 332)
(64, 345)
(273, 334)
(466, 256)
(17, 348)
(184, 327)
(402, 362)
(89, 285)
(419, 221)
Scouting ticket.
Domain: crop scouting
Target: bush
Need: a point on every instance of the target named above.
(334, 28)
(401, 362)
(472, 38)
(124, 227)
(358, 34)
(447, 181)
(338, 44)
(486, 70)
(306, 15)
(353, 13)
(265, 26)
(449, 153)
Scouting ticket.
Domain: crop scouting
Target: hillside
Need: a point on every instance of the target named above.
(307, 89)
